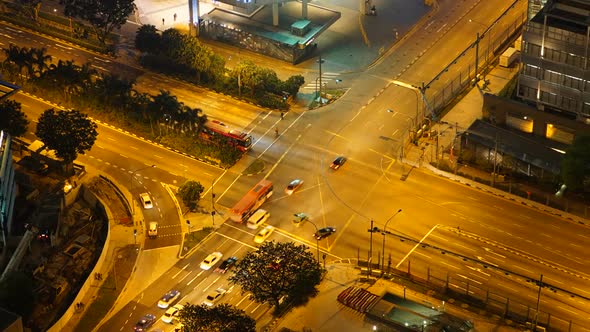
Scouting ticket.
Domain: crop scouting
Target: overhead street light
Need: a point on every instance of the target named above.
(384, 232)
(317, 241)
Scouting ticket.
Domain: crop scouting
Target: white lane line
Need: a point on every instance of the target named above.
(451, 265)
(211, 284)
(416, 246)
(522, 268)
(242, 300)
(466, 277)
(460, 245)
(193, 279)
(258, 306)
(63, 46)
(155, 155)
(566, 309)
(581, 290)
(419, 253)
(197, 286)
(177, 273)
(547, 235)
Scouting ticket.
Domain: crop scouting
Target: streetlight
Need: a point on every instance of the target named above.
(320, 61)
(317, 241)
(477, 39)
(384, 232)
(131, 175)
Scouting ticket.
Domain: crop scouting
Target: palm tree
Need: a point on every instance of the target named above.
(40, 61)
(164, 106)
(68, 78)
(19, 58)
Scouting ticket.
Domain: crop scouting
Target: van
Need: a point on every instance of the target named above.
(258, 218)
(153, 229)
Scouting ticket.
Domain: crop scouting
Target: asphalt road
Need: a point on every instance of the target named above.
(371, 185)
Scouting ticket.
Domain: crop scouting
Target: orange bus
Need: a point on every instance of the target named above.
(253, 199)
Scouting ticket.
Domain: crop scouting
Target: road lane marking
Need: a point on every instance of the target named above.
(466, 277)
(566, 309)
(419, 253)
(581, 290)
(451, 265)
(63, 46)
(416, 246)
(242, 300)
(185, 276)
(522, 268)
(238, 241)
(197, 285)
(258, 306)
(177, 273)
(211, 284)
(193, 279)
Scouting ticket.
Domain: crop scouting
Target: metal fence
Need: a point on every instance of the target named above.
(449, 285)
(448, 84)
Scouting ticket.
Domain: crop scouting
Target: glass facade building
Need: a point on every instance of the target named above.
(555, 72)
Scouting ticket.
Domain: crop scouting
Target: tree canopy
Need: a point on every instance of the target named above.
(103, 15)
(220, 318)
(12, 118)
(190, 193)
(17, 294)
(277, 270)
(575, 167)
(69, 133)
(147, 39)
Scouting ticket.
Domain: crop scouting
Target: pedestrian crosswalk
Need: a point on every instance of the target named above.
(328, 80)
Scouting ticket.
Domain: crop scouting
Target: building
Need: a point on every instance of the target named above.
(555, 72)
(7, 186)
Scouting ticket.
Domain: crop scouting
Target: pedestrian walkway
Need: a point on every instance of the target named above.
(325, 313)
(458, 120)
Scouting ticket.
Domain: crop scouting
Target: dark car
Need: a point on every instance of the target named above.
(226, 264)
(324, 232)
(339, 161)
(293, 185)
(145, 322)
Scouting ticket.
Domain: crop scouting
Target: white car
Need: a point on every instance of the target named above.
(263, 234)
(257, 218)
(214, 297)
(211, 260)
(293, 185)
(146, 201)
(171, 314)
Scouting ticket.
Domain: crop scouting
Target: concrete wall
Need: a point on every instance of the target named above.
(65, 318)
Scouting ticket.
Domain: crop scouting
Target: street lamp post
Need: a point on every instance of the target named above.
(320, 61)
(317, 241)
(131, 175)
(384, 232)
(477, 39)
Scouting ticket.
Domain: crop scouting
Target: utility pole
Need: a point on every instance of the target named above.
(320, 61)
(476, 57)
(538, 303)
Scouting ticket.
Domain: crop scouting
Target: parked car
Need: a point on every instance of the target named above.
(226, 265)
(146, 200)
(146, 321)
(324, 232)
(214, 297)
(211, 260)
(168, 299)
(293, 185)
(263, 234)
(338, 162)
(171, 314)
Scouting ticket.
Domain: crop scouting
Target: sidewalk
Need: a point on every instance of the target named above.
(457, 120)
(325, 313)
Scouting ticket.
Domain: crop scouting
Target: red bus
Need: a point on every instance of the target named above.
(253, 199)
(215, 128)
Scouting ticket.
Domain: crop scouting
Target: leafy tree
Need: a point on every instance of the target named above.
(147, 39)
(12, 118)
(31, 8)
(174, 45)
(103, 15)
(575, 167)
(293, 84)
(190, 193)
(69, 133)
(220, 318)
(17, 294)
(276, 270)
